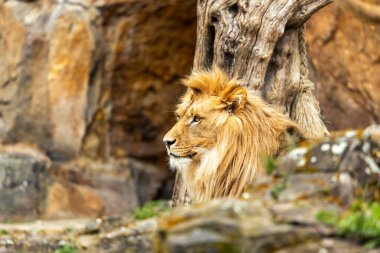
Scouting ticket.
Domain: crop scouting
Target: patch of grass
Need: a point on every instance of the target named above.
(3, 232)
(68, 230)
(67, 248)
(327, 217)
(361, 221)
(151, 209)
(270, 165)
(277, 189)
(228, 248)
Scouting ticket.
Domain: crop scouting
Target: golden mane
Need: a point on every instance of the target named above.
(247, 131)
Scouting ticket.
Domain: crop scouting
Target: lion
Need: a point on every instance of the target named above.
(224, 133)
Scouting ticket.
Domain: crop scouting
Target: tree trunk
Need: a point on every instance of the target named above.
(261, 43)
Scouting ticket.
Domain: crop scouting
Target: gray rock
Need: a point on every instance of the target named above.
(23, 183)
(148, 178)
(328, 245)
(96, 188)
(304, 185)
(226, 225)
(122, 235)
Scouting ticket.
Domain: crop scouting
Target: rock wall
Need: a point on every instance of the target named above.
(93, 77)
(346, 60)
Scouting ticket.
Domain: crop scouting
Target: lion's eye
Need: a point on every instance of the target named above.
(196, 119)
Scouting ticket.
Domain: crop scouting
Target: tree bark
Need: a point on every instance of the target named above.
(262, 43)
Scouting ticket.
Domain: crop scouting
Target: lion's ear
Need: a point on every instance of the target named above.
(234, 97)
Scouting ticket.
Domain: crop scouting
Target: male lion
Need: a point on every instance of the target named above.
(223, 135)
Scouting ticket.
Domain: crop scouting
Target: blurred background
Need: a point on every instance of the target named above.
(88, 87)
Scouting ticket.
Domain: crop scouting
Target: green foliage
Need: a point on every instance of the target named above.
(68, 230)
(3, 232)
(151, 209)
(228, 248)
(67, 249)
(277, 189)
(361, 221)
(270, 165)
(327, 217)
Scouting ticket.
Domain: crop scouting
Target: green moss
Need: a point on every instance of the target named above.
(66, 249)
(151, 209)
(362, 221)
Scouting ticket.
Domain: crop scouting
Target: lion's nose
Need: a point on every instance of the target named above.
(168, 143)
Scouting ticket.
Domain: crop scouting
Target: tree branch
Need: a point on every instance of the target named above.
(306, 9)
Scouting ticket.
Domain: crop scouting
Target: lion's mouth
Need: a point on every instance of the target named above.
(190, 156)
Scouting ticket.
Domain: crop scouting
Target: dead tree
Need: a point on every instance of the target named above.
(262, 43)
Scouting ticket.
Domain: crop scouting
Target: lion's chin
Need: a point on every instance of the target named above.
(179, 163)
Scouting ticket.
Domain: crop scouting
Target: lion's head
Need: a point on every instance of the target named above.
(223, 134)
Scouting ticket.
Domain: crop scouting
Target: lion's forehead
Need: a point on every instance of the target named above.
(201, 106)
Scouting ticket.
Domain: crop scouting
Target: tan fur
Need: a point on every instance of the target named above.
(223, 152)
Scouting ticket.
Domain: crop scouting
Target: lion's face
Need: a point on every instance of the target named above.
(207, 106)
(195, 132)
